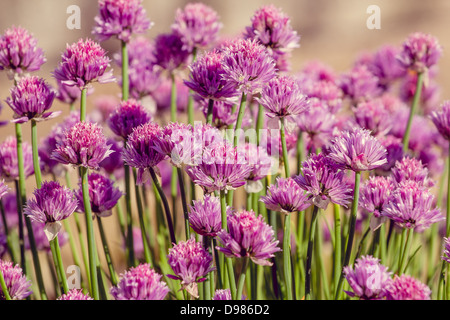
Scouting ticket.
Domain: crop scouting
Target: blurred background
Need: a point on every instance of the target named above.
(333, 32)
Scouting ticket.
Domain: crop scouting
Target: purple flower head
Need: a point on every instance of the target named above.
(261, 163)
(16, 282)
(114, 162)
(369, 279)
(206, 77)
(197, 25)
(248, 236)
(420, 51)
(140, 283)
(223, 167)
(359, 84)
(19, 52)
(67, 94)
(446, 250)
(394, 148)
(104, 106)
(411, 207)
(247, 65)
(8, 159)
(82, 63)
(52, 203)
(323, 182)
(405, 287)
(84, 144)
(127, 116)
(120, 18)
(222, 294)
(411, 169)
(169, 53)
(285, 196)
(282, 97)
(375, 194)
(75, 294)
(205, 216)
(140, 152)
(191, 263)
(103, 195)
(374, 116)
(326, 92)
(3, 189)
(30, 99)
(358, 150)
(441, 119)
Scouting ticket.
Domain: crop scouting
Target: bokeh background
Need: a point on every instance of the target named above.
(333, 31)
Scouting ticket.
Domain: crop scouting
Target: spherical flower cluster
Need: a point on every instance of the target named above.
(411, 207)
(409, 168)
(441, 119)
(323, 182)
(191, 263)
(247, 65)
(8, 159)
(206, 77)
(103, 195)
(84, 144)
(16, 282)
(359, 84)
(405, 287)
(169, 53)
(357, 150)
(52, 203)
(369, 279)
(127, 116)
(120, 18)
(285, 196)
(140, 283)
(19, 52)
(373, 115)
(82, 63)
(140, 152)
(197, 25)
(31, 99)
(420, 52)
(282, 97)
(248, 236)
(75, 294)
(205, 216)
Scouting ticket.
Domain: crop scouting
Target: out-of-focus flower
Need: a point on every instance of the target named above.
(19, 52)
(374, 116)
(31, 99)
(103, 195)
(248, 236)
(411, 169)
(191, 263)
(285, 196)
(75, 294)
(359, 84)
(441, 119)
(261, 163)
(120, 18)
(369, 279)
(405, 287)
(3, 189)
(140, 283)
(420, 51)
(169, 53)
(446, 250)
(197, 25)
(82, 63)
(114, 162)
(41, 240)
(84, 144)
(8, 159)
(52, 203)
(16, 282)
(162, 95)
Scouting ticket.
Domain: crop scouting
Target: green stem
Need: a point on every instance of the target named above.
(207, 282)
(125, 78)
(351, 231)
(145, 240)
(92, 252)
(56, 252)
(287, 171)
(337, 245)
(184, 202)
(173, 99)
(287, 256)
(83, 104)
(409, 237)
(130, 240)
(4, 287)
(412, 112)
(239, 119)
(107, 252)
(309, 257)
(209, 115)
(240, 287)
(34, 144)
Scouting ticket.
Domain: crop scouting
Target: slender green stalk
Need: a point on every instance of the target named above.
(362, 242)
(309, 253)
(34, 144)
(239, 119)
(408, 242)
(412, 112)
(287, 171)
(4, 287)
(337, 245)
(184, 202)
(92, 251)
(83, 104)
(241, 282)
(209, 115)
(125, 78)
(351, 231)
(57, 260)
(112, 272)
(145, 240)
(259, 124)
(9, 241)
(321, 272)
(287, 256)
(130, 240)
(207, 283)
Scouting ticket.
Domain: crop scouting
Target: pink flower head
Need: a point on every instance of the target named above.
(282, 97)
(120, 18)
(16, 282)
(359, 84)
(375, 194)
(285, 196)
(223, 113)
(197, 25)
(84, 144)
(247, 65)
(8, 159)
(373, 115)
(357, 150)
(75, 294)
(248, 236)
(140, 283)
(369, 279)
(441, 119)
(169, 53)
(260, 161)
(82, 63)
(19, 52)
(405, 287)
(191, 263)
(205, 216)
(3, 189)
(411, 169)
(420, 51)
(31, 99)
